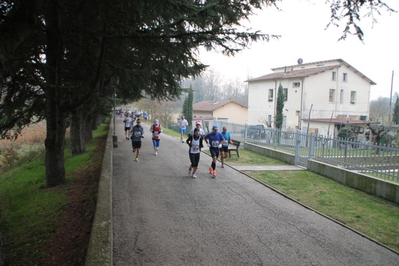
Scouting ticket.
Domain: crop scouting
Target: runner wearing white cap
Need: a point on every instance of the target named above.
(156, 130)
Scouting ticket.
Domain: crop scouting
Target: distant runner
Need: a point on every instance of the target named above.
(136, 134)
(182, 126)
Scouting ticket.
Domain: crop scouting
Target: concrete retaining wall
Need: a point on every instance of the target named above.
(374, 186)
(100, 246)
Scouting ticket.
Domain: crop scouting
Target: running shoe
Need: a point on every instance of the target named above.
(194, 176)
(210, 170)
(137, 159)
(156, 153)
(214, 174)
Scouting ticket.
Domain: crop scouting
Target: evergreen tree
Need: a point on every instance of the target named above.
(395, 117)
(278, 120)
(184, 111)
(189, 110)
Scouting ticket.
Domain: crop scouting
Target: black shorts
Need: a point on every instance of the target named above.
(127, 128)
(136, 144)
(214, 152)
(224, 149)
(194, 159)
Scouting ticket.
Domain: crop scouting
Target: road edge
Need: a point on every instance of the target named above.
(101, 244)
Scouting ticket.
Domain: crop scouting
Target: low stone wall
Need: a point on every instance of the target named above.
(373, 186)
(281, 156)
(100, 248)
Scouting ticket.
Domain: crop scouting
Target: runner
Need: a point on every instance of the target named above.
(182, 126)
(201, 131)
(136, 134)
(225, 146)
(128, 124)
(156, 130)
(215, 143)
(195, 143)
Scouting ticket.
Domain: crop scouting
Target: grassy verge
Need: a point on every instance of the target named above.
(30, 212)
(374, 217)
(171, 132)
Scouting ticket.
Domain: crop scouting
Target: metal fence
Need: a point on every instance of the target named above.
(381, 161)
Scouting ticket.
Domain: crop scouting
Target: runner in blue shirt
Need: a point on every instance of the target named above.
(225, 146)
(215, 141)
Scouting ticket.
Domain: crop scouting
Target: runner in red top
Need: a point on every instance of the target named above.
(156, 130)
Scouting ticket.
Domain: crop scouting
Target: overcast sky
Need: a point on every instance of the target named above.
(302, 24)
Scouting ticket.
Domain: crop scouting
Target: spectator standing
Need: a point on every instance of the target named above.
(215, 141)
(195, 143)
(128, 124)
(224, 151)
(182, 123)
(156, 130)
(136, 134)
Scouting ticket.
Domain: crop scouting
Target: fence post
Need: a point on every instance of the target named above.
(297, 146)
(311, 145)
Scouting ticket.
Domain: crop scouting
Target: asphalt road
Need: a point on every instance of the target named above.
(161, 216)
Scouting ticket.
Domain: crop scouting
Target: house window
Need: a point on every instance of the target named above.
(345, 77)
(363, 117)
(353, 97)
(269, 120)
(341, 96)
(296, 84)
(270, 95)
(297, 112)
(334, 75)
(285, 91)
(331, 96)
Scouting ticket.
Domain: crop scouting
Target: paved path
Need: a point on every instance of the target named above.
(163, 217)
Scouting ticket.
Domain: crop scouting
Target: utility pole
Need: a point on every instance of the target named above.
(390, 100)
(307, 131)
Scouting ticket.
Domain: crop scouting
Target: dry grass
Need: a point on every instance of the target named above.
(32, 134)
(24, 145)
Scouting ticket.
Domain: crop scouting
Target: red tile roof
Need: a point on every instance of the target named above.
(306, 72)
(212, 105)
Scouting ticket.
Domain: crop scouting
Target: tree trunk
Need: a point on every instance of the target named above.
(94, 119)
(88, 130)
(77, 144)
(55, 116)
(55, 141)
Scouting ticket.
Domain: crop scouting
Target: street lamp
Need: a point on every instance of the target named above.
(347, 138)
(114, 137)
(307, 131)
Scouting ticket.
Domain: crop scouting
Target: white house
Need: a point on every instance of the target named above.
(322, 96)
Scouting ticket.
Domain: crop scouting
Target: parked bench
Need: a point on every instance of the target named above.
(234, 147)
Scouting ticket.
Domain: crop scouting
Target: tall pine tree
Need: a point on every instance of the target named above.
(395, 117)
(278, 121)
(188, 108)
